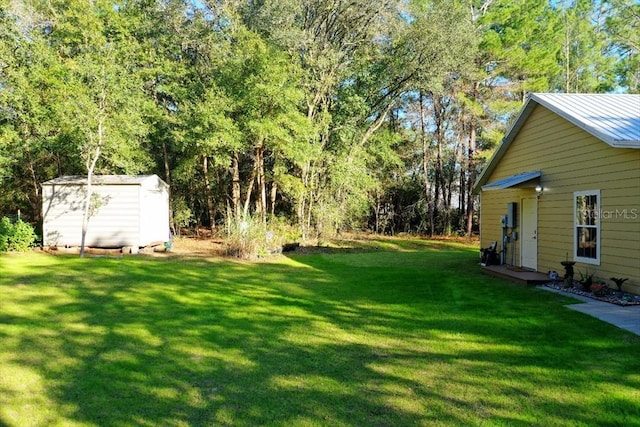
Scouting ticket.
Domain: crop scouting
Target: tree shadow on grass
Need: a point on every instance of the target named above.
(162, 346)
(322, 341)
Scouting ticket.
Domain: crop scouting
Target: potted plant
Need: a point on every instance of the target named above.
(599, 289)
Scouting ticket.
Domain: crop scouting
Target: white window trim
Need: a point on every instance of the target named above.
(596, 260)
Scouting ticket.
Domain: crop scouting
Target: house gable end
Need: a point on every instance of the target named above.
(615, 120)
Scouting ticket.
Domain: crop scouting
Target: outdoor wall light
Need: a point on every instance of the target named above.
(539, 190)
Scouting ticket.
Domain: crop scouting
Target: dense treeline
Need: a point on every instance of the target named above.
(326, 114)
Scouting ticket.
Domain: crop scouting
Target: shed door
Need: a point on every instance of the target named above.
(529, 234)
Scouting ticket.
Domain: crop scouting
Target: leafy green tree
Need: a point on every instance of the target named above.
(165, 34)
(328, 39)
(516, 52)
(29, 150)
(359, 60)
(586, 61)
(622, 23)
(430, 107)
(265, 87)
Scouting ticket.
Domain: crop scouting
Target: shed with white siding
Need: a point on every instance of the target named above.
(125, 211)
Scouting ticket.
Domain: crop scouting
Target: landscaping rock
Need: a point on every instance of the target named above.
(613, 297)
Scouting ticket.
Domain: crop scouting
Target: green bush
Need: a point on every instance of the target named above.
(245, 238)
(250, 238)
(18, 236)
(181, 215)
(283, 232)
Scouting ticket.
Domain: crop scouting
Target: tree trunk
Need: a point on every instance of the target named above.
(91, 165)
(377, 214)
(85, 215)
(209, 194)
(471, 165)
(439, 175)
(462, 197)
(235, 191)
(36, 201)
(301, 202)
(247, 199)
(167, 168)
(425, 163)
(262, 185)
(274, 195)
(471, 177)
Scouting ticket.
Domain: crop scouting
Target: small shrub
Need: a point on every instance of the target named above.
(5, 231)
(283, 232)
(586, 281)
(619, 282)
(250, 237)
(181, 215)
(246, 238)
(18, 236)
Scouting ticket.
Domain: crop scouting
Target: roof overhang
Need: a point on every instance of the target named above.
(105, 180)
(521, 180)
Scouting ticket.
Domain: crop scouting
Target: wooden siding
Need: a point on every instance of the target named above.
(571, 160)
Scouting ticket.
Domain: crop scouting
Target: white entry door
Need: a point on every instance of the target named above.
(529, 233)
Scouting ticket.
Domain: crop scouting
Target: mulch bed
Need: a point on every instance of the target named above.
(613, 297)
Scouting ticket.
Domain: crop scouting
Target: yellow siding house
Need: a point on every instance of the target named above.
(565, 185)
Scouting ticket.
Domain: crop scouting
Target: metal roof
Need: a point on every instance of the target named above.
(513, 181)
(612, 118)
(101, 180)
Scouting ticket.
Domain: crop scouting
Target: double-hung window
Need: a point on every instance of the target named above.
(587, 226)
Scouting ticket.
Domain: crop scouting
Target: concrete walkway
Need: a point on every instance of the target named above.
(627, 318)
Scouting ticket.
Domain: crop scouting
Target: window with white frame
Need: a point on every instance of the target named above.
(587, 226)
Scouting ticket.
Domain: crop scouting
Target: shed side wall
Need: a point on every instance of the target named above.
(114, 222)
(62, 215)
(154, 212)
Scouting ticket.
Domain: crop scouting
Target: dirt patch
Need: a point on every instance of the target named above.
(204, 245)
(194, 246)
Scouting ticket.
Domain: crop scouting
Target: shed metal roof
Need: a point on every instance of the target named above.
(102, 180)
(612, 118)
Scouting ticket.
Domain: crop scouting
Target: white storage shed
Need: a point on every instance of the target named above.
(125, 211)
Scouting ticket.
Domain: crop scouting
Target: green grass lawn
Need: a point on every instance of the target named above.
(407, 334)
